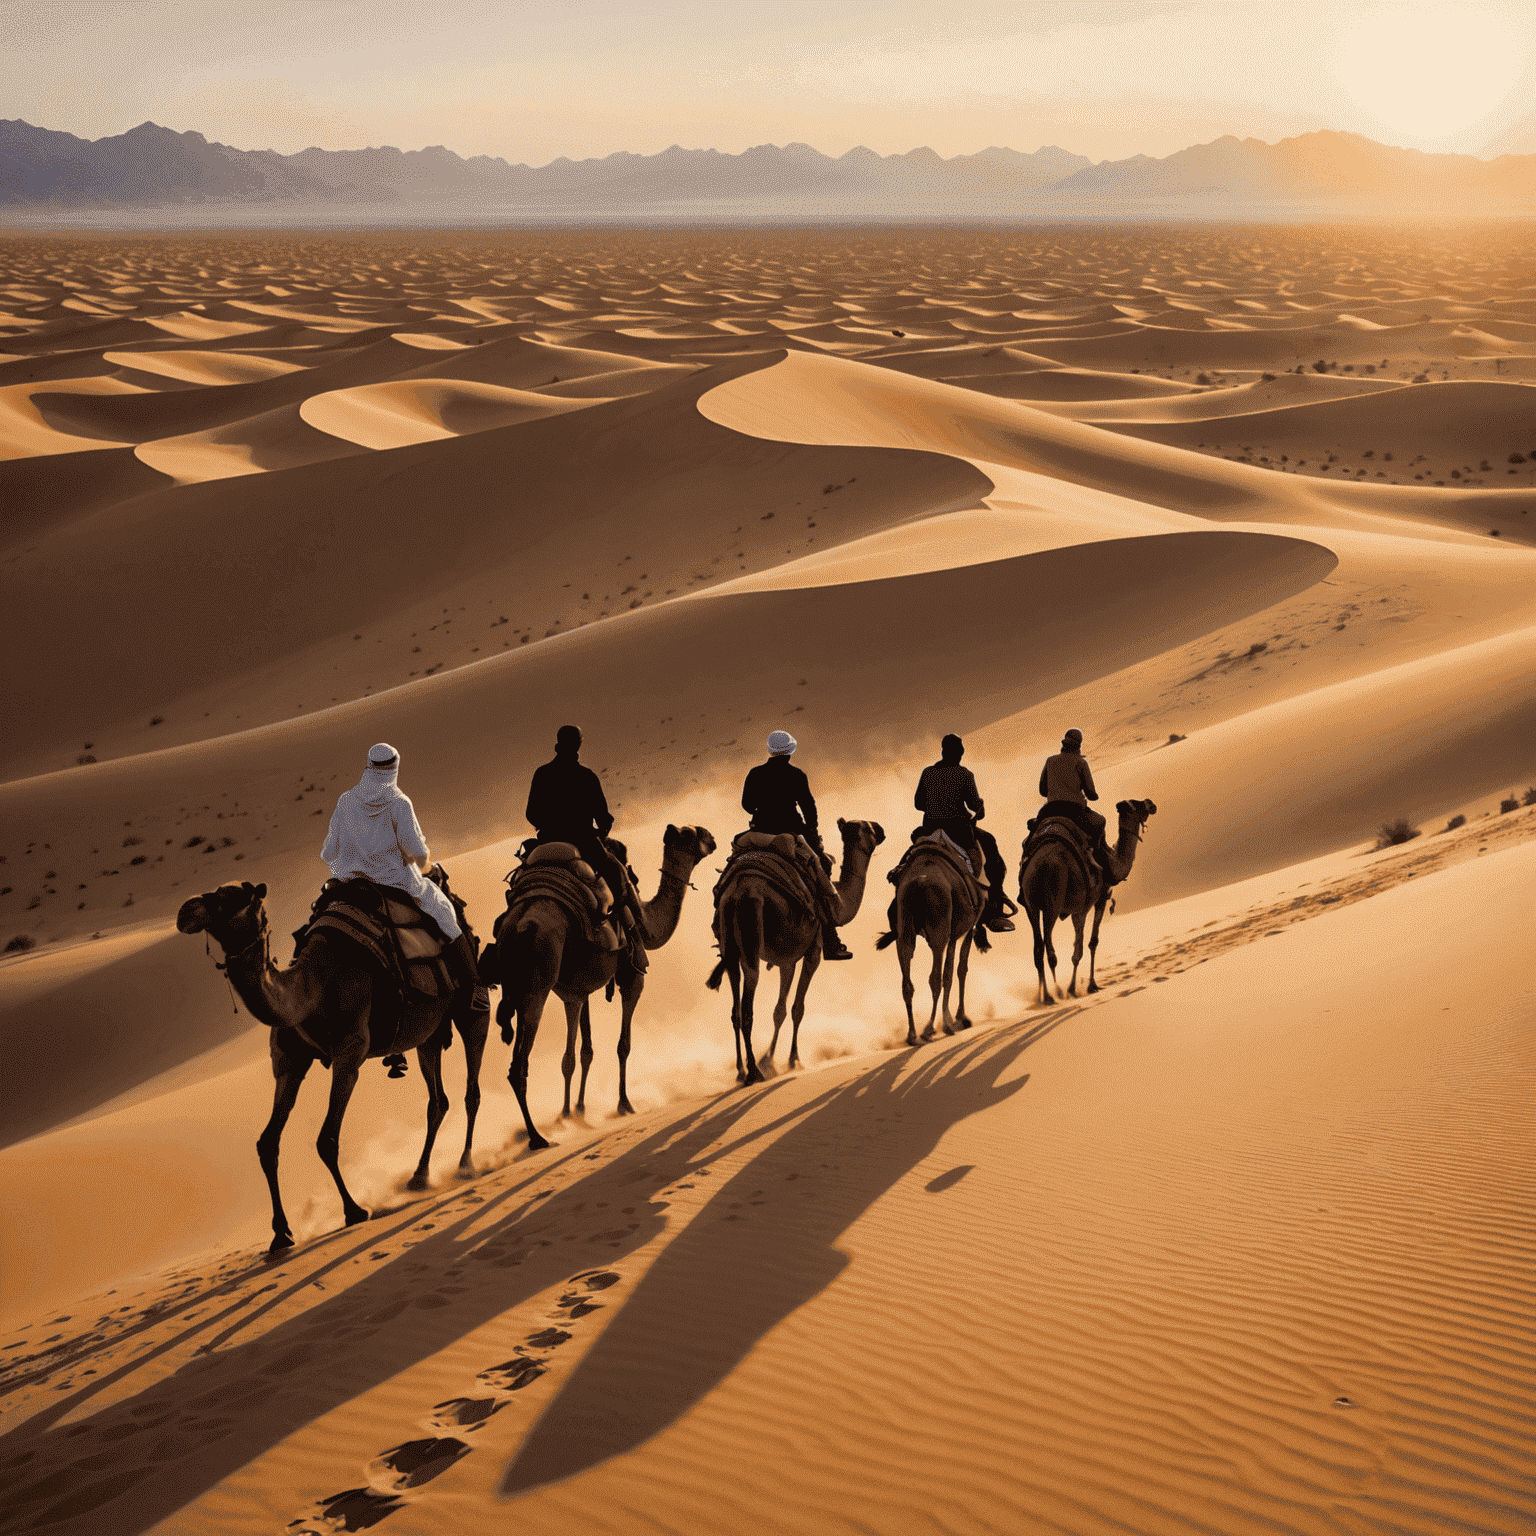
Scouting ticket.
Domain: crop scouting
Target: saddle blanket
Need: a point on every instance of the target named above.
(556, 872)
(778, 858)
(1060, 829)
(393, 930)
(942, 843)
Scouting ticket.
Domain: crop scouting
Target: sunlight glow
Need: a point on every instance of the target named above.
(1430, 69)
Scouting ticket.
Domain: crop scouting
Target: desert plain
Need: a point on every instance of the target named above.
(1238, 1244)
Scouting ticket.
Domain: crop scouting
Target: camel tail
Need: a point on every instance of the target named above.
(716, 976)
(886, 939)
(983, 940)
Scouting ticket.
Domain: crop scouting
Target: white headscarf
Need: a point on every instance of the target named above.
(377, 786)
(781, 744)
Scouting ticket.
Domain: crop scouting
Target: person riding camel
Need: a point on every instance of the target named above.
(777, 796)
(374, 834)
(950, 802)
(566, 804)
(1066, 781)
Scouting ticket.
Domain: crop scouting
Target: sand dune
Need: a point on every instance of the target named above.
(1223, 1247)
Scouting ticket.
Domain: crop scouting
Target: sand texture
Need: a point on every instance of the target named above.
(1237, 1244)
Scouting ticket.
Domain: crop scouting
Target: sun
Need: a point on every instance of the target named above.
(1429, 69)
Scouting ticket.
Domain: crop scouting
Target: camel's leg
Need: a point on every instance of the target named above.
(961, 1021)
(1093, 942)
(749, 980)
(906, 945)
(1050, 947)
(749, 946)
(586, 1054)
(935, 983)
(949, 981)
(291, 1059)
(1037, 928)
(780, 1013)
(472, 1033)
(808, 968)
(530, 1010)
(345, 1065)
(629, 997)
(734, 972)
(573, 1007)
(430, 1059)
(1078, 919)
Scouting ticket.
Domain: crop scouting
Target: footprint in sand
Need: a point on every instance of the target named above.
(414, 1463)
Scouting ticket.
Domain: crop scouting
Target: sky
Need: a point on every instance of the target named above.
(532, 80)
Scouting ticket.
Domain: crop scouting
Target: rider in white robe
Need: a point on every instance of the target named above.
(374, 833)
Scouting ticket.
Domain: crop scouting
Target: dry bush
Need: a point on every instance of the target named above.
(1394, 832)
(1454, 822)
(1508, 805)
(21, 943)
(1529, 797)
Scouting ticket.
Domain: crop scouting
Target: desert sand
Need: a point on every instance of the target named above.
(1237, 1244)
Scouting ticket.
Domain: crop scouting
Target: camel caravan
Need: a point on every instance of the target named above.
(387, 962)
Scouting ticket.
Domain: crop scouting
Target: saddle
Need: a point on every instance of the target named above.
(557, 872)
(1061, 829)
(941, 844)
(387, 924)
(777, 857)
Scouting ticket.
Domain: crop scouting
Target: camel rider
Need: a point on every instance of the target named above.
(1066, 781)
(777, 796)
(950, 802)
(566, 804)
(374, 834)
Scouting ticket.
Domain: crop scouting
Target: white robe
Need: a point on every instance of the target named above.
(373, 830)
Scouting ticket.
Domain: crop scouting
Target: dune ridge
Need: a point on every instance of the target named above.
(1233, 1244)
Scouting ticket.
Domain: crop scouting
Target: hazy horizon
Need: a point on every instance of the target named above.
(1108, 80)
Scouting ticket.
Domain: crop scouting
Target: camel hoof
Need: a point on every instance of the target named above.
(912, 1042)
(357, 1215)
(466, 1171)
(625, 1107)
(419, 1181)
(280, 1244)
(961, 1024)
(926, 1035)
(1093, 987)
(752, 1078)
(536, 1143)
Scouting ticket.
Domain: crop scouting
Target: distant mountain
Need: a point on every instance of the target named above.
(1312, 168)
(151, 167)
(1518, 139)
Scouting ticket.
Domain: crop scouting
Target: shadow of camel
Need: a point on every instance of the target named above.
(762, 1247)
(210, 1402)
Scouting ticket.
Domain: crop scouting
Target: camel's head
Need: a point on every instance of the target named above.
(695, 842)
(866, 836)
(1136, 810)
(233, 914)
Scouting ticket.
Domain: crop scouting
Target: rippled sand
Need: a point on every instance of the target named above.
(1236, 1252)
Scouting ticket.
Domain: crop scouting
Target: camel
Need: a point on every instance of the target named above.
(541, 954)
(936, 900)
(1051, 886)
(757, 926)
(333, 1005)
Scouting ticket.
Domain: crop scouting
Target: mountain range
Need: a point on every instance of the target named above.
(150, 166)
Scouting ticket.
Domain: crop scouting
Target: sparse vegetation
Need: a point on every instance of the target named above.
(20, 944)
(1393, 833)
(1454, 822)
(1529, 797)
(1507, 805)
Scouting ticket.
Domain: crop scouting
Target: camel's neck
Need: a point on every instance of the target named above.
(850, 882)
(665, 907)
(1123, 854)
(279, 999)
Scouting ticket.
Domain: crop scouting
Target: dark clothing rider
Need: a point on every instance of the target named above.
(566, 804)
(951, 803)
(777, 796)
(1066, 781)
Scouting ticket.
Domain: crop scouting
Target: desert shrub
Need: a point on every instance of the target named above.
(132, 842)
(1394, 832)
(1202, 378)
(1517, 458)
(1267, 378)
(193, 841)
(20, 943)
(1454, 822)
(84, 758)
(1319, 366)
(1529, 797)
(1508, 805)
(158, 720)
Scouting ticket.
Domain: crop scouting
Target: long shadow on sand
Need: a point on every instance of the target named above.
(760, 1249)
(211, 1402)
